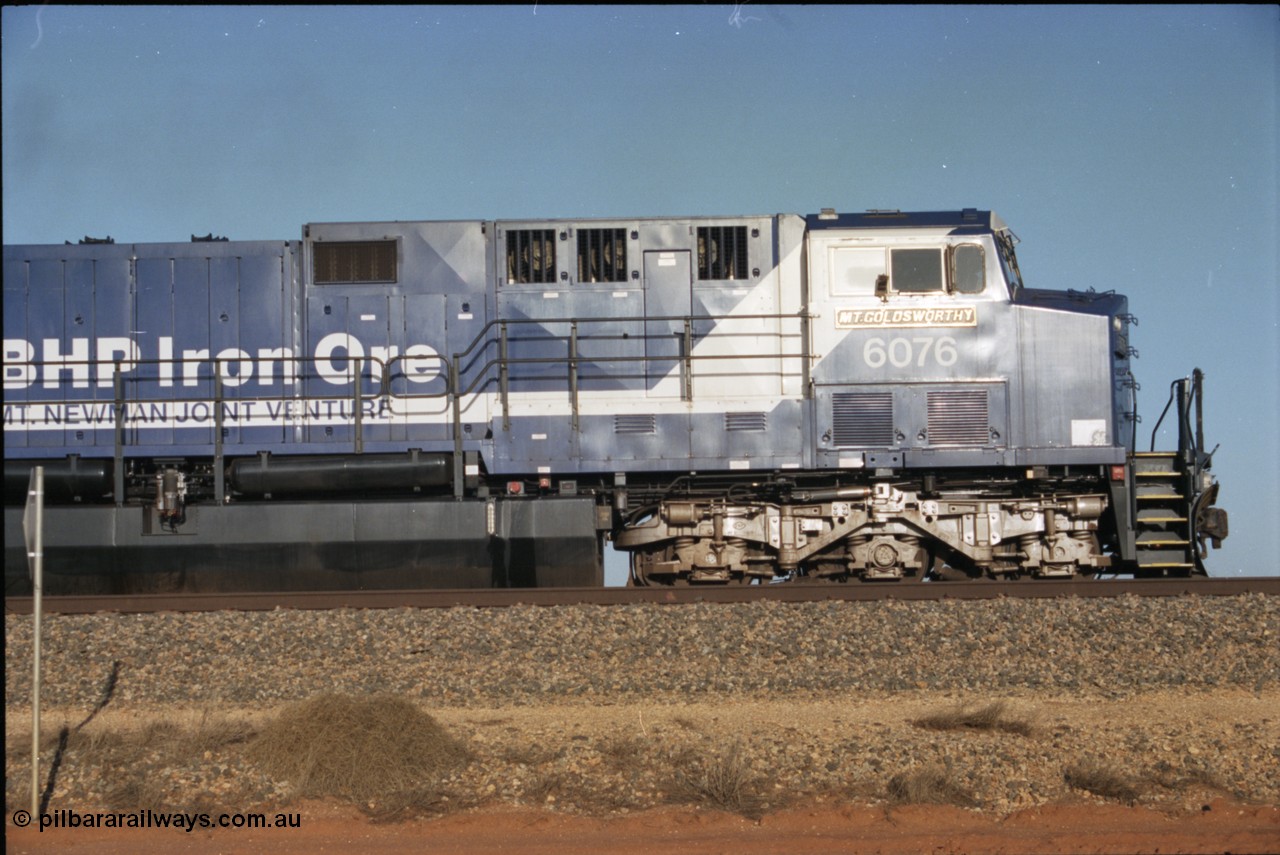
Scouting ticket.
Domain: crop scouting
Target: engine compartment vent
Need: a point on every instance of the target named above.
(862, 419)
(959, 417)
(722, 252)
(746, 421)
(531, 256)
(640, 423)
(353, 261)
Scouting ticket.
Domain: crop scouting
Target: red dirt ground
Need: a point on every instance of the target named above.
(1220, 827)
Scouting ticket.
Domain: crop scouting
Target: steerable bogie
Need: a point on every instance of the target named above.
(884, 530)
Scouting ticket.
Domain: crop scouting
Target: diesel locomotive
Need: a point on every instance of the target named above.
(730, 400)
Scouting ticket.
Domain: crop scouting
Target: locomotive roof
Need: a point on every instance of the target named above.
(969, 218)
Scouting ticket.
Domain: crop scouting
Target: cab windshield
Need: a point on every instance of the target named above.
(1005, 241)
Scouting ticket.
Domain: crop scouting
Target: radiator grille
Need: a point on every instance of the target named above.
(959, 417)
(602, 255)
(531, 255)
(634, 424)
(722, 252)
(862, 419)
(746, 421)
(362, 261)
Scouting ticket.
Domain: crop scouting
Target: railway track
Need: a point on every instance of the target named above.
(504, 597)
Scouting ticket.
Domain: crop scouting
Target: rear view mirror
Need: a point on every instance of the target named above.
(882, 287)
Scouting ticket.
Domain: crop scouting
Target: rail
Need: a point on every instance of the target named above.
(790, 592)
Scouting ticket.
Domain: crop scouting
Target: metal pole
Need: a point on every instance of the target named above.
(459, 470)
(37, 585)
(357, 402)
(573, 373)
(118, 476)
(686, 361)
(1197, 388)
(219, 483)
(504, 376)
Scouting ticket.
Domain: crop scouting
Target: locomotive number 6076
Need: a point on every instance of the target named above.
(901, 352)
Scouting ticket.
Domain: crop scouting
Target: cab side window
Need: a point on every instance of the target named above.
(968, 268)
(958, 269)
(853, 270)
(916, 270)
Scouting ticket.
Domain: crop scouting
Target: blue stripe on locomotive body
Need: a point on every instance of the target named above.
(790, 360)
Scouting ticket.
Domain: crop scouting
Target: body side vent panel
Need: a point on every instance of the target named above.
(746, 421)
(632, 424)
(959, 417)
(862, 419)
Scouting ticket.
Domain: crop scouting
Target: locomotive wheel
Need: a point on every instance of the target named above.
(830, 572)
(646, 571)
(944, 572)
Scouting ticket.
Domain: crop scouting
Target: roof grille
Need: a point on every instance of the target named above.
(602, 255)
(959, 417)
(354, 261)
(746, 421)
(722, 252)
(641, 423)
(531, 255)
(862, 419)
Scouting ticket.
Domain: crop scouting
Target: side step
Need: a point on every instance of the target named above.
(1162, 526)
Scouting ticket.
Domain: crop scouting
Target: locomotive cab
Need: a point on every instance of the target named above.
(962, 425)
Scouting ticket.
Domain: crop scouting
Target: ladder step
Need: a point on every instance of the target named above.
(1156, 544)
(1155, 474)
(1155, 519)
(1151, 497)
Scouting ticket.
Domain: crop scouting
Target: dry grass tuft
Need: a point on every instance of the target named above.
(625, 753)
(124, 755)
(722, 781)
(992, 717)
(135, 792)
(379, 751)
(1101, 780)
(930, 785)
(1197, 777)
(547, 785)
(531, 755)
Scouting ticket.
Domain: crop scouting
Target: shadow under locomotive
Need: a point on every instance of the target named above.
(370, 545)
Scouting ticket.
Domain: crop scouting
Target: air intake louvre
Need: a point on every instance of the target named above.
(745, 421)
(959, 417)
(602, 255)
(634, 424)
(862, 419)
(531, 255)
(722, 252)
(354, 261)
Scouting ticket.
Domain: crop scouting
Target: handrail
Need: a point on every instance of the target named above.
(482, 336)
(451, 380)
(178, 379)
(482, 373)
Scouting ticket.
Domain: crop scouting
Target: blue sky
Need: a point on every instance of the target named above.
(1131, 148)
